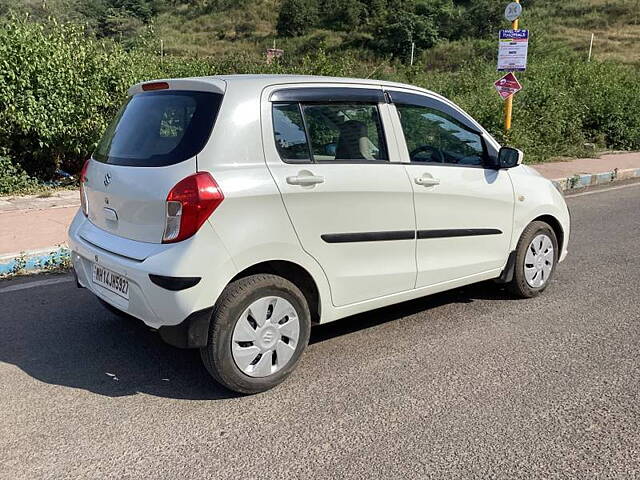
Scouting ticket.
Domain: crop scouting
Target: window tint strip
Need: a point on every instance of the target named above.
(328, 94)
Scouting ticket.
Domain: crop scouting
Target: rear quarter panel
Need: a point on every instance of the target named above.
(251, 221)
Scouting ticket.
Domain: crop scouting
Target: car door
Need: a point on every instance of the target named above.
(464, 206)
(347, 194)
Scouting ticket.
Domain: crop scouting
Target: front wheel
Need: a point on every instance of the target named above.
(536, 259)
(259, 328)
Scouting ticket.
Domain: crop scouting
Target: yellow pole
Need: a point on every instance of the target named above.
(508, 104)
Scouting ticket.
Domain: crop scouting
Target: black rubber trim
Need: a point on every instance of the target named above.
(328, 94)
(174, 283)
(457, 232)
(368, 236)
(406, 235)
(509, 269)
(193, 332)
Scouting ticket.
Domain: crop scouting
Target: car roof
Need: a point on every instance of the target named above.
(265, 80)
(258, 82)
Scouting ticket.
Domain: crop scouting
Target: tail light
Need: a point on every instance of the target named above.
(84, 204)
(147, 87)
(188, 206)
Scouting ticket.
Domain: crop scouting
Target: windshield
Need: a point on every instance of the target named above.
(156, 129)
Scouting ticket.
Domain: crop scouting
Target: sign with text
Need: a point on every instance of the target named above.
(508, 85)
(512, 51)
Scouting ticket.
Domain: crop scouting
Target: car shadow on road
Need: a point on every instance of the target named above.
(468, 294)
(63, 336)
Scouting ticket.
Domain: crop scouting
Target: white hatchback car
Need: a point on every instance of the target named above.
(231, 213)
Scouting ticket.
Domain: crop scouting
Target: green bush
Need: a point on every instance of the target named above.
(564, 104)
(13, 179)
(57, 90)
(297, 17)
(59, 87)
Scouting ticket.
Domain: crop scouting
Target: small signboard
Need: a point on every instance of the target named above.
(508, 85)
(273, 53)
(512, 51)
(513, 11)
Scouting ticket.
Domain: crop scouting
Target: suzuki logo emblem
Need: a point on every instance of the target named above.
(107, 179)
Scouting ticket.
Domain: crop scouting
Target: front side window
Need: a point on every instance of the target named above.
(329, 132)
(435, 137)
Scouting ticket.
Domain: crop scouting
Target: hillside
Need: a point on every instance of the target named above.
(88, 52)
(252, 28)
(204, 28)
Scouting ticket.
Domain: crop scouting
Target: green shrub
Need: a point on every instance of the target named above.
(566, 102)
(297, 17)
(57, 89)
(14, 179)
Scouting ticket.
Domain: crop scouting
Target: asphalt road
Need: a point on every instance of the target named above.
(465, 384)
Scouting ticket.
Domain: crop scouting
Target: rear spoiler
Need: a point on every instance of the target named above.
(198, 84)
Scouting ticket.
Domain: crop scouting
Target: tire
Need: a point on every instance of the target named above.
(226, 357)
(520, 285)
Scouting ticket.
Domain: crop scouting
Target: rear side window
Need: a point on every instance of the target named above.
(156, 129)
(329, 132)
(288, 128)
(345, 132)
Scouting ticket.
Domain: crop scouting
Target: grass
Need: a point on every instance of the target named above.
(251, 29)
(615, 23)
(239, 30)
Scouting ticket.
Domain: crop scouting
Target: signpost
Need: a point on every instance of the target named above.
(512, 56)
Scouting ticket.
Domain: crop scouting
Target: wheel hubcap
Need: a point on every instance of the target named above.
(538, 262)
(265, 336)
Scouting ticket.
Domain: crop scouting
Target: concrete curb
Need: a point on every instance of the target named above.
(580, 181)
(44, 259)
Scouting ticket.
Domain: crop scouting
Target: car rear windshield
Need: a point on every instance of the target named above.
(156, 129)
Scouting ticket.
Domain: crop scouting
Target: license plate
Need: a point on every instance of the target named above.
(112, 281)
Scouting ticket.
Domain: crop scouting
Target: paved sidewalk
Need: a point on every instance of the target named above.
(606, 163)
(35, 222)
(38, 224)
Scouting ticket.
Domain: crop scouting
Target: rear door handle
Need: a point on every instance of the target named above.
(305, 180)
(427, 181)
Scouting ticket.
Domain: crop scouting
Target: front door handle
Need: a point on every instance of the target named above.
(305, 180)
(427, 181)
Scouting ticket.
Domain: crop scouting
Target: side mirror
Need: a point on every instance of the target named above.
(509, 157)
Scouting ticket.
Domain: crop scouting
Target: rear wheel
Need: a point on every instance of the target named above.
(259, 328)
(536, 258)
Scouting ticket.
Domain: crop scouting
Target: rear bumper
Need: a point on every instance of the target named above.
(202, 256)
